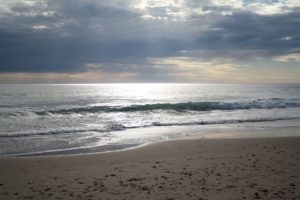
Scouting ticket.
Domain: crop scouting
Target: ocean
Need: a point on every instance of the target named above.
(44, 119)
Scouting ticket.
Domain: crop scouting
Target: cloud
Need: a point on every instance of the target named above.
(288, 58)
(131, 36)
(272, 7)
(85, 77)
(248, 35)
(191, 70)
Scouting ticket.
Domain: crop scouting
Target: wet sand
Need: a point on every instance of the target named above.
(197, 169)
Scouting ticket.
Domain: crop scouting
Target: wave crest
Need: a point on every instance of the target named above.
(181, 107)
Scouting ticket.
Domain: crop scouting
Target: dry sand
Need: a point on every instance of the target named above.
(187, 169)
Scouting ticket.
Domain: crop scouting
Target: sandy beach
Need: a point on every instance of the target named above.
(265, 168)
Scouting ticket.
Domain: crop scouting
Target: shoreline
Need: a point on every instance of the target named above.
(49, 155)
(179, 134)
(240, 168)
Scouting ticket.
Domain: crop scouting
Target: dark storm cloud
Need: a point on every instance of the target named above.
(248, 35)
(64, 36)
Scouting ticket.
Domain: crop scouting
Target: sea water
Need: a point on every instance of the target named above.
(67, 118)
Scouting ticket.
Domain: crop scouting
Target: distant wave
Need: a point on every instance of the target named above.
(120, 127)
(187, 106)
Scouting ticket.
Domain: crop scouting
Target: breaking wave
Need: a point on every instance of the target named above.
(235, 121)
(107, 128)
(120, 127)
(181, 107)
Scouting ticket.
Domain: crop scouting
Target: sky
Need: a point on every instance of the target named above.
(123, 41)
